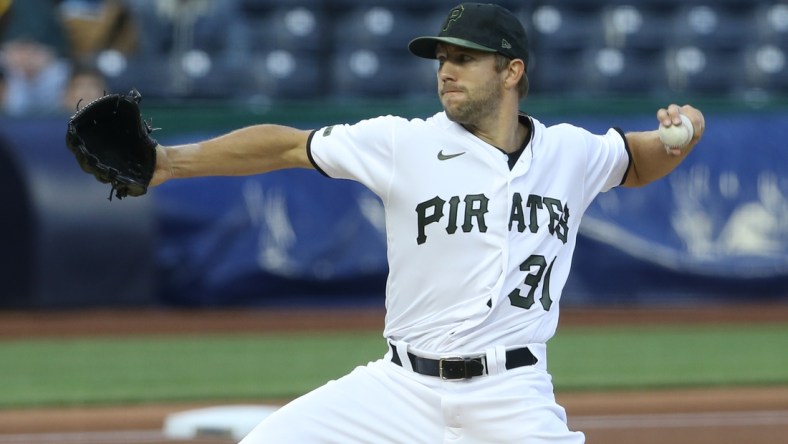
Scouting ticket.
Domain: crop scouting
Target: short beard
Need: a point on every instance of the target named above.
(475, 109)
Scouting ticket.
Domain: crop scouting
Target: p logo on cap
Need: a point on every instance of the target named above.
(479, 26)
(454, 15)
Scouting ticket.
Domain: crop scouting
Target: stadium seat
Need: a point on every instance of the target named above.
(344, 5)
(577, 4)
(193, 75)
(555, 72)
(702, 70)
(608, 70)
(379, 27)
(150, 74)
(710, 26)
(216, 82)
(293, 28)
(283, 74)
(414, 5)
(362, 72)
(192, 51)
(358, 46)
(729, 4)
(421, 75)
(264, 6)
(767, 68)
(552, 28)
(634, 27)
(771, 23)
(212, 29)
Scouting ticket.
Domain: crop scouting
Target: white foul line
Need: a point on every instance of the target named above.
(701, 419)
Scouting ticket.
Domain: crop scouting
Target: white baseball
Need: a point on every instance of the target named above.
(676, 136)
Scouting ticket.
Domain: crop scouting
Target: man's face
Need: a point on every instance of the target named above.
(469, 86)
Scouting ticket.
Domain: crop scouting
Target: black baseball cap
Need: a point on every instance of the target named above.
(480, 26)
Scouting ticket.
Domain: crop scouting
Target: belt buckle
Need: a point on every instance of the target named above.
(451, 359)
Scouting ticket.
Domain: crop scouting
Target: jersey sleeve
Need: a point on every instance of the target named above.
(362, 152)
(608, 161)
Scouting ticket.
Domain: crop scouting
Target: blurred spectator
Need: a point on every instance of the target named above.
(94, 26)
(35, 77)
(34, 57)
(85, 85)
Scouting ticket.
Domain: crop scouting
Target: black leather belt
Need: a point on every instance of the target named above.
(452, 368)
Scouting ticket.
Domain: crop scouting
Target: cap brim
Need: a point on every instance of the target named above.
(425, 46)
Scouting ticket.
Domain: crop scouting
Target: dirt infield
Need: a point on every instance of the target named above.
(30, 324)
(740, 415)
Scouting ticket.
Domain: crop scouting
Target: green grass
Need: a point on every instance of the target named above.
(623, 358)
(175, 368)
(257, 366)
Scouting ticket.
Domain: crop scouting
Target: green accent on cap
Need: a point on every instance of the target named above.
(425, 46)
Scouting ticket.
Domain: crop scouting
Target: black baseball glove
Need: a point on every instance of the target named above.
(111, 141)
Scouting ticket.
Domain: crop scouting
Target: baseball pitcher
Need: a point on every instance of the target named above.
(483, 204)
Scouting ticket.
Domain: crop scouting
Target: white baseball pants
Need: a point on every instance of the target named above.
(385, 403)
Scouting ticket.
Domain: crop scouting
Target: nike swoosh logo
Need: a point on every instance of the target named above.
(442, 156)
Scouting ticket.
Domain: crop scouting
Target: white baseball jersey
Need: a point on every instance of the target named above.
(479, 253)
